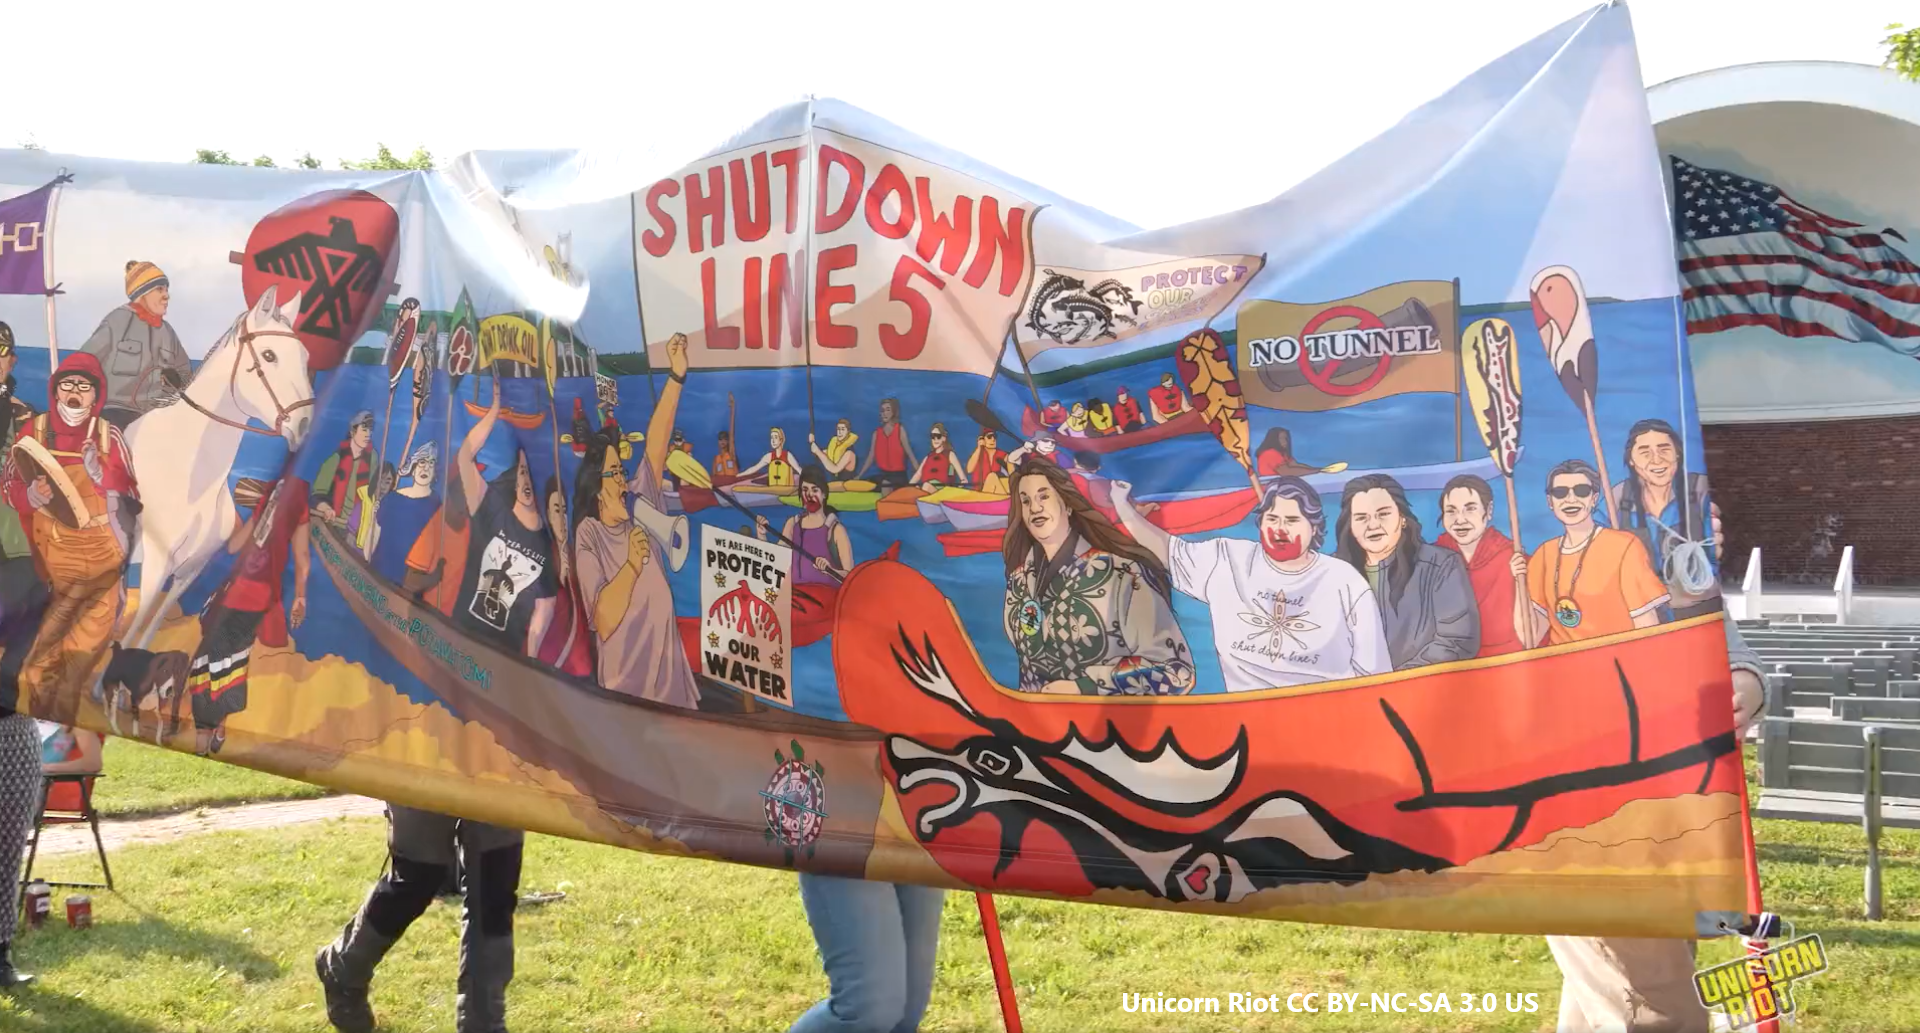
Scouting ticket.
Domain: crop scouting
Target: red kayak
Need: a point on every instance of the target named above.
(1188, 422)
(1202, 512)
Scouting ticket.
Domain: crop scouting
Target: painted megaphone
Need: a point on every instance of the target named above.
(669, 531)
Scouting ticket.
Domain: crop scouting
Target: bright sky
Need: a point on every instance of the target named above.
(1156, 112)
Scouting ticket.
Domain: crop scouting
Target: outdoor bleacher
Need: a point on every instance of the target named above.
(1840, 741)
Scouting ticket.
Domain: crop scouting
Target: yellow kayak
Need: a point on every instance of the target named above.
(950, 494)
(844, 501)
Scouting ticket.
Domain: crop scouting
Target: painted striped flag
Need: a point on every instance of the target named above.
(1752, 256)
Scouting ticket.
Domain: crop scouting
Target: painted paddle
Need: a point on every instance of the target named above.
(1492, 372)
(1215, 388)
(978, 412)
(1565, 321)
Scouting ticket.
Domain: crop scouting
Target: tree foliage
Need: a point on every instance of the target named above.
(385, 159)
(1903, 50)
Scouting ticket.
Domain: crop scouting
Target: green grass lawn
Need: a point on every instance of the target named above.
(142, 779)
(218, 933)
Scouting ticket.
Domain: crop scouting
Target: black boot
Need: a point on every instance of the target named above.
(492, 880)
(486, 967)
(345, 968)
(10, 977)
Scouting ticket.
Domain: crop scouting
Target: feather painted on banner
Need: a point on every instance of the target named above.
(1565, 322)
(1208, 374)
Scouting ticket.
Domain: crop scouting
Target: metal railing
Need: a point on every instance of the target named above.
(1753, 593)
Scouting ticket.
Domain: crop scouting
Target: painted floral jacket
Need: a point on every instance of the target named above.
(1098, 623)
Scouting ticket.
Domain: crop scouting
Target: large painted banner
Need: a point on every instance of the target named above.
(839, 502)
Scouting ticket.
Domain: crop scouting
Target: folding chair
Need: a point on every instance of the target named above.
(68, 800)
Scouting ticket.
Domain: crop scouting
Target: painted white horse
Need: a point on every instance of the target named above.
(183, 452)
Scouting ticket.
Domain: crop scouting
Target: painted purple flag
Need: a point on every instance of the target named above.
(23, 242)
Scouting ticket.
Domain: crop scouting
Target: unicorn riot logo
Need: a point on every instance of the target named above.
(1067, 311)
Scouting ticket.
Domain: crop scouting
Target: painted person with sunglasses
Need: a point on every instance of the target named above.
(941, 467)
(1591, 581)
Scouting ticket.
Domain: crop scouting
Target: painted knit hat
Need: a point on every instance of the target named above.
(6, 340)
(143, 277)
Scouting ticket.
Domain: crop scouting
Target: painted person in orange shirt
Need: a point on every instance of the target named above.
(1591, 581)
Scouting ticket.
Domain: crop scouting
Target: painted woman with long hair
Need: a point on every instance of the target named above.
(618, 564)
(824, 554)
(568, 642)
(1665, 510)
(1088, 609)
(1425, 597)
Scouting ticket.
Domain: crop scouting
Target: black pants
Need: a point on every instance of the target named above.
(422, 849)
(23, 602)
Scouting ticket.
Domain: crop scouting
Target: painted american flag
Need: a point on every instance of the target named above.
(1752, 256)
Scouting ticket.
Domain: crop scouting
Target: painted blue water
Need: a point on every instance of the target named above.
(1642, 376)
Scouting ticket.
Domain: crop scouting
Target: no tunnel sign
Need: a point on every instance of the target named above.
(744, 600)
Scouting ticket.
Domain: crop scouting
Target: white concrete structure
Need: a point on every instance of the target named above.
(1843, 139)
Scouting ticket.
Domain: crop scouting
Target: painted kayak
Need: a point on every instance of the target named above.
(685, 501)
(513, 417)
(977, 516)
(1189, 422)
(899, 504)
(1209, 509)
(844, 501)
(932, 504)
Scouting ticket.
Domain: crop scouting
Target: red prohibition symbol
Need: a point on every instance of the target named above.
(1322, 377)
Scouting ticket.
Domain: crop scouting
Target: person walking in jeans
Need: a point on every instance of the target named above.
(877, 941)
(423, 848)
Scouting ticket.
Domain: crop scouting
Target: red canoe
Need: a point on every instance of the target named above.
(1188, 422)
(1213, 797)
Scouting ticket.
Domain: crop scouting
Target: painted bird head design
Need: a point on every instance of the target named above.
(1561, 314)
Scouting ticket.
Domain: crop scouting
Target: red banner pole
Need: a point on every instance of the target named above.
(1752, 858)
(997, 954)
